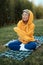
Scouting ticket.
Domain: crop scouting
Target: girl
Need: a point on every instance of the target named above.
(25, 32)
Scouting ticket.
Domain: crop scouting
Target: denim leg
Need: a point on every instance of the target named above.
(14, 45)
(31, 45)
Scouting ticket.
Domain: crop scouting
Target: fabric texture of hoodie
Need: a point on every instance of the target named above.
(25, 32)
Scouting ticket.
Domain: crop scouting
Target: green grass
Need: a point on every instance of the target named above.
(7, 34)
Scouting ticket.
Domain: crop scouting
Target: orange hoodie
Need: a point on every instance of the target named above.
(25, 31)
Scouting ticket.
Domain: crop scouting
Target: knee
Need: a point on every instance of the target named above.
(30, 45)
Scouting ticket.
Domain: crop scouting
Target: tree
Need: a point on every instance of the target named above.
(2, 12)
(20, 5)
(39, 12)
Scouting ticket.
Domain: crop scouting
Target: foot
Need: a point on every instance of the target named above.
(6, 45)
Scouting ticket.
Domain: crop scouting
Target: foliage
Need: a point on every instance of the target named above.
(11, 10)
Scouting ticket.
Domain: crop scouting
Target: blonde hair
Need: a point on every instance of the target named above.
(26, 11)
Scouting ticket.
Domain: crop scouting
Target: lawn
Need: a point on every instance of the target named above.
(7, 34)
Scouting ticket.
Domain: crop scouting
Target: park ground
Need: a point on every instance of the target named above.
(7, 33)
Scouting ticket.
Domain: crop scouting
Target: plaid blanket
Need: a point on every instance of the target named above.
(20, 55)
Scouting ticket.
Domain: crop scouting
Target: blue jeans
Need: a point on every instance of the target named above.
(15, 45)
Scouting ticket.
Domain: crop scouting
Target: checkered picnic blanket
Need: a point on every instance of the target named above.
(20, 55)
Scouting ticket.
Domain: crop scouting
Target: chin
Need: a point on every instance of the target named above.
(24, 20)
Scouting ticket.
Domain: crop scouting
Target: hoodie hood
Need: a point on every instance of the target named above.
(30, 18)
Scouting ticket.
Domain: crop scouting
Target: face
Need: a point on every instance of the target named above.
(25, 17)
